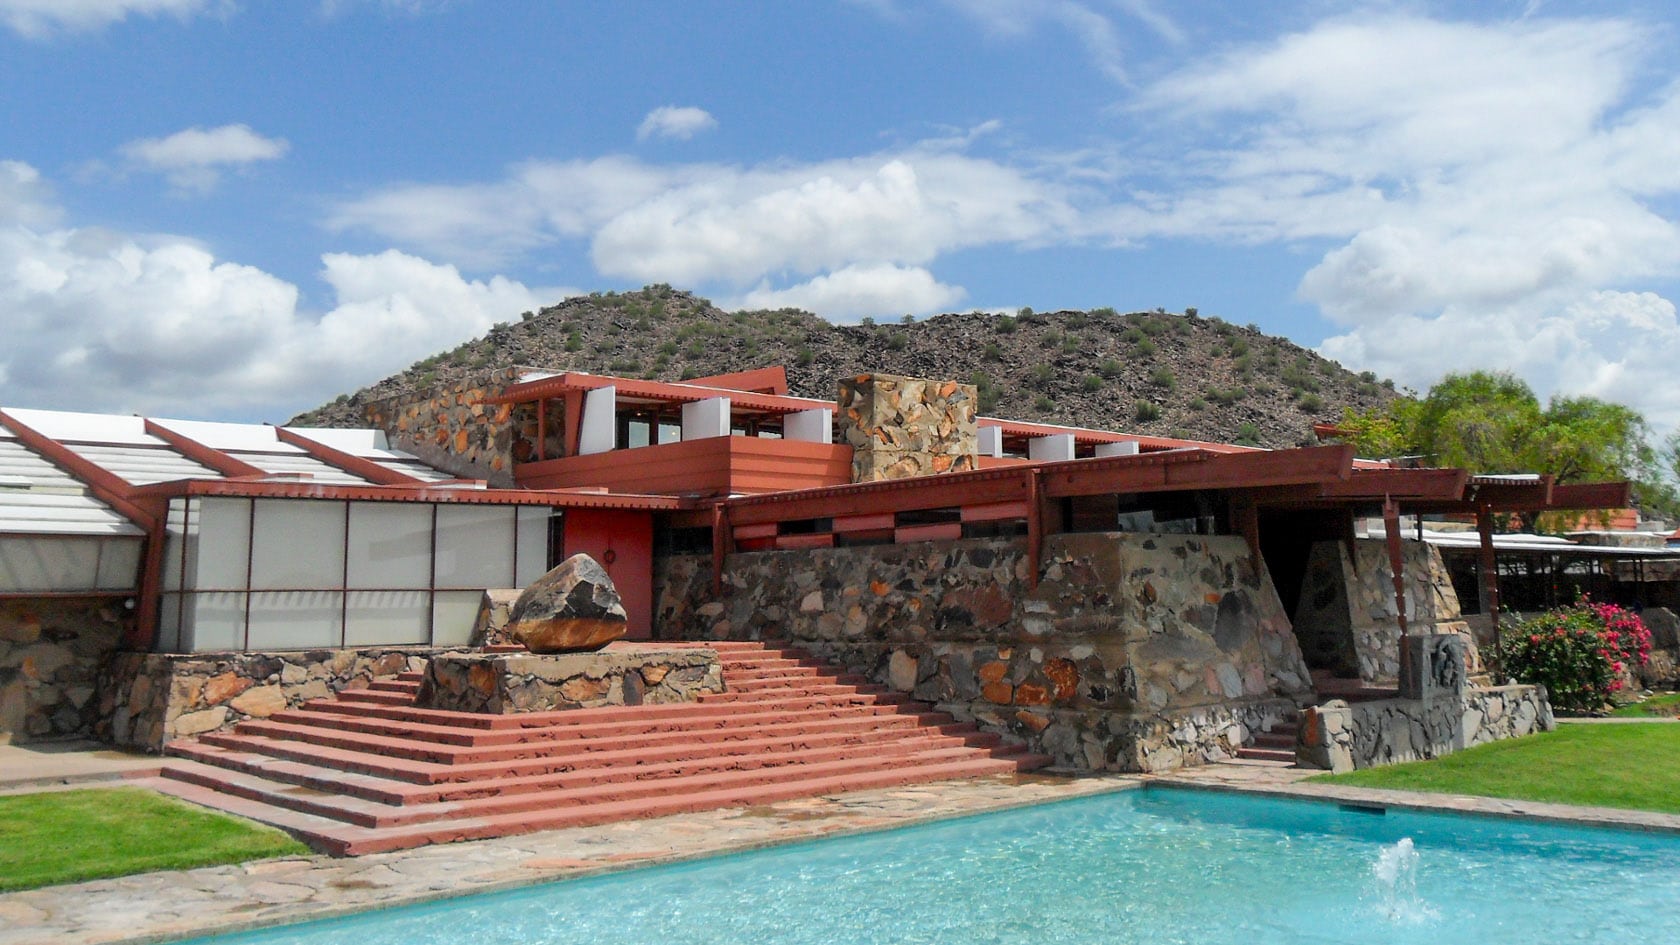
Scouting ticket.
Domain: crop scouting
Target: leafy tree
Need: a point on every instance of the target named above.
(1491, 422)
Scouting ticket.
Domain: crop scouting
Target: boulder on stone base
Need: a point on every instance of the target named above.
(573, 607)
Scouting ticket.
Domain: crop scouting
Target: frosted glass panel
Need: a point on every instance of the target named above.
(119, 564)
(297, 544)
(48, 564)
(374, 617)
(475, 546)
(533, 545)
(390, 545)
(453, 616)
(172, 545)
(292, 620)
(169, 624)
(213, 622)
(224, 536)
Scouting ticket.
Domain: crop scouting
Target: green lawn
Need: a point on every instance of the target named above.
(1666, 704)
(69, 836)
(1632, 766)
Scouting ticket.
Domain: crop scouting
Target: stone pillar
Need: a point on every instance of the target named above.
(903, 426)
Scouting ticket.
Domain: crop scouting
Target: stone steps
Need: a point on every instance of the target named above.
(371, 771)
(1275, 745)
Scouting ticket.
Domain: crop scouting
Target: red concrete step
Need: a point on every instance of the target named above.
(1267, 754)
(696, 720)
(369, 770)
(560, 792)
(574, 751)
(503, 781)
(344, 839)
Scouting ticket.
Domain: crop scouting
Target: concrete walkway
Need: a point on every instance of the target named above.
(162, 906)
(39, 766)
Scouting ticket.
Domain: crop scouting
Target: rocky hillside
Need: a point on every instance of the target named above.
(1144, 372)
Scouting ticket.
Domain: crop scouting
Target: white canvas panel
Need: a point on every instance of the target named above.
(48, 563)
(294, 620)
(1057, 446)
(387, 617)
(453, 613)
(390, 545)
(297, 543)
(1122, 448)
(809, 426)
(533, 544)
(991, 441)
(212, 622)
(598, 429)
(119, 564)
(704, 419)
(475, 546)
(223, 544)
(169, 624)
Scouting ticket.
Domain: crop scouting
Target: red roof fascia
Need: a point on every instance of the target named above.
(548, 387)
(349, 462)
(1088, 435)
(301, 489)
(766, 380)
(203, 454)
(105, 485)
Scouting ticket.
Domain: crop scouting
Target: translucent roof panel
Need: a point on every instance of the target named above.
(65, 426)
(38, 498)
(298, 462)
(229, 436)
(142, 465)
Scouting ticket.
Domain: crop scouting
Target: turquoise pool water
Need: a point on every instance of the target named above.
(1150, 866)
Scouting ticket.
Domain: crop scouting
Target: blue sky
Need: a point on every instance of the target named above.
(232, 208)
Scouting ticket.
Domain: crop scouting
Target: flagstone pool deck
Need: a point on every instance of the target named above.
(163, 906)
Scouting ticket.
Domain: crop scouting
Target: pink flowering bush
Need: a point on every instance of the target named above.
(1581, 653)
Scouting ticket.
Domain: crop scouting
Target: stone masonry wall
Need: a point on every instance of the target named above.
(51, 650)
(1341, 737)
(1346, 619)
(903, 426)
(452, 427)
(621, 674)
(1135, 652)
(148, 699)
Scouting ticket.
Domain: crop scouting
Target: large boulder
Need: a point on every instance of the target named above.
(573, 607)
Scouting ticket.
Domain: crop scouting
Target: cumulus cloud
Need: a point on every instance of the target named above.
(678, 123)
(38, 19)
(192, 159)
(166, 327)
(698, 224)
(853, 292)
(1488, 191)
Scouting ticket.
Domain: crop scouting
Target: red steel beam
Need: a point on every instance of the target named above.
(204, 455)
(105, 485)
(349, 462)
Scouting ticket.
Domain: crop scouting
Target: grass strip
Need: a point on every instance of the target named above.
(1628, 766)
(69, 836)
(1667, 704)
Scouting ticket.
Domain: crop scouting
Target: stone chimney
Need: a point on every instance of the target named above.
(899, 427)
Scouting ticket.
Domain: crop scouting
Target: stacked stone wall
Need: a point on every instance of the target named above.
(624, 674)
(148, 699)
(1135, 651)
(51, 651)
(1339, 737)
(1347, 620)
(901, 426)
(453, 428)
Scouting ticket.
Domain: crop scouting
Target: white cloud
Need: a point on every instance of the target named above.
(191, 159)
(38, 19)
(679, 123)
(849, 294)
(699, 224)
(1490, 190)
(100, 320)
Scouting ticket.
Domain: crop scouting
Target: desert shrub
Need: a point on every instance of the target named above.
(992, 352)
(1041, 373)
(1145, 411)
(1580, 653)
(1044, 403)
(1110, 368)
(1092, 383)
(1005, 325)
(1163, 378)
(1248, 434)
(898, 340)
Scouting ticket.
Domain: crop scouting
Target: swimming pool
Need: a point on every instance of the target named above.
(1158, 865)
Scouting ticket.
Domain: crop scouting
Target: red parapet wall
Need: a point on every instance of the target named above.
(731, 465)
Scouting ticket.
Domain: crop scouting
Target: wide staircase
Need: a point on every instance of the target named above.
(369, 771)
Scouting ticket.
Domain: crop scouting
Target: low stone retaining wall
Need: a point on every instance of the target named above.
(624, 674)
(51, 651)
(148, 699)
(1341, 737)
(1135, 652)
